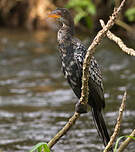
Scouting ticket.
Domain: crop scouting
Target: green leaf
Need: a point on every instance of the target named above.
(79, 16)
(131, 137)
(78, 3)
(130, 14)
(74, 3)
(91, 9)
(46, 148)
(84, 3)
(39, 147)
(89, 21)
(84, 9)
(117, 142)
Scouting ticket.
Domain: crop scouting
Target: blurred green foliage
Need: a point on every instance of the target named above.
(85, 9)
(130, 14)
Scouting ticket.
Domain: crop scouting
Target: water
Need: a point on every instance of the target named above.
(36, 101)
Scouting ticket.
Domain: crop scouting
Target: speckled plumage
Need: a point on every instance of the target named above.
(72, 53)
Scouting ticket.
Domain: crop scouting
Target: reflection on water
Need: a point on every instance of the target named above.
(36, 102)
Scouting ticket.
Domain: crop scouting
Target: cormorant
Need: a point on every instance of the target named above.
(72, 53)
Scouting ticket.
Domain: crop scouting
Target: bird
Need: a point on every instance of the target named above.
(72, 53)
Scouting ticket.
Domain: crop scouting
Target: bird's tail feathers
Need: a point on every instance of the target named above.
(100, 125)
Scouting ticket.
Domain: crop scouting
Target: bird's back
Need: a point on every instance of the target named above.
(72, 63)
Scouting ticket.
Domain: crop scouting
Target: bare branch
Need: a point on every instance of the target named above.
(91, 50)
(126, 142)
(118, 41)
(117, 126)
(63, 131)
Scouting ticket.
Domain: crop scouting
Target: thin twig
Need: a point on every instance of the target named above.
(117, 126)
(91, 50)
(63, 131)
(126, 142)
(84, 94)
(118, 41)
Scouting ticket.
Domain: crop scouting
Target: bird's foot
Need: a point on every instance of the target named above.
(81, 108)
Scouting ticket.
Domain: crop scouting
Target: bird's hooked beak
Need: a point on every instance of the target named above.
(54, 14)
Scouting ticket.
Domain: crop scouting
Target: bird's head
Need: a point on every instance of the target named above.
(63, 15)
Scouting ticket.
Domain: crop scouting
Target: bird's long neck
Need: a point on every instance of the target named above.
(65, 34)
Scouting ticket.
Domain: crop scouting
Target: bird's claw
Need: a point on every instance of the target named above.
(81, 108)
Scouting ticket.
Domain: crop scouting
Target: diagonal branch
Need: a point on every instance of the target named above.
(63, 131)
(117, 126)
(118, 41)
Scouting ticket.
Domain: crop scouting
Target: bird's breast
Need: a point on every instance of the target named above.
(70, 70)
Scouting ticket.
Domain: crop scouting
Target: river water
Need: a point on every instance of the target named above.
(36, 101)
